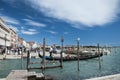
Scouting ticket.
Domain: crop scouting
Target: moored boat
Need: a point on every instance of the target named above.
(71, 57)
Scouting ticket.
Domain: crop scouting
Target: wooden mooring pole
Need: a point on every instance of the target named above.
(43, 66)
(78, 53)
(61, 55)
(21, 59)
(99, 56)
(28, 60)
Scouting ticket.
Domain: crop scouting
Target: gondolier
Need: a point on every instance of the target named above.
(51, 51)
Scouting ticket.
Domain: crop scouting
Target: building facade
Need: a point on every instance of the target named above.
(4, 34)
(13, 38)
(20, 42)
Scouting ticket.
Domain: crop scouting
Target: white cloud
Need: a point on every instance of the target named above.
(22, 27)
(31, 29)
(34, 23)
(29, 16)
(85, 12)
(52, 32)
(28, 32)
(10, 20)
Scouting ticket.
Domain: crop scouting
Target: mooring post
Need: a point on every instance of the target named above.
(43, 66)
(28, 59)
(99, 57)
(78, 52)
(21, 58)
(61, 55)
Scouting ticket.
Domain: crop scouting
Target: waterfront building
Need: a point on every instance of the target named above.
(20, 42)
(4, 35)
(24, 43)
(27, 46)
(14, 38)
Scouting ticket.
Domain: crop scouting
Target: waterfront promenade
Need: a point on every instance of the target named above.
(32, 54)
(109, 77)
(12, 56)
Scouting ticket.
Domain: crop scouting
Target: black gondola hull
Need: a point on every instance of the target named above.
(85, 57)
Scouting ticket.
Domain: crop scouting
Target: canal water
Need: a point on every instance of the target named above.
(110, 64)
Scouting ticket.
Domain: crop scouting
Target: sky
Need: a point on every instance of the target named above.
(93, 21)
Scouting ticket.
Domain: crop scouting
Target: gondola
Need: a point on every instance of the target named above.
(72, 58)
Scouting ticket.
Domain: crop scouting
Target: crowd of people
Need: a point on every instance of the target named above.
(15, 51)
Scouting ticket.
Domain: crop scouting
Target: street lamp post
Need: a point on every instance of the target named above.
(62, 40)
(78, 39)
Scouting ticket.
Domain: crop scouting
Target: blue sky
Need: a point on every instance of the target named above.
(94, 21)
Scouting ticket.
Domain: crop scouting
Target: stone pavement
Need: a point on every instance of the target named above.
(12, 56)
(109, 77)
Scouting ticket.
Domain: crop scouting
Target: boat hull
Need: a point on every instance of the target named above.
(85, 57)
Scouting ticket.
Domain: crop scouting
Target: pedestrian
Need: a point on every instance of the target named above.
(51, 51)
